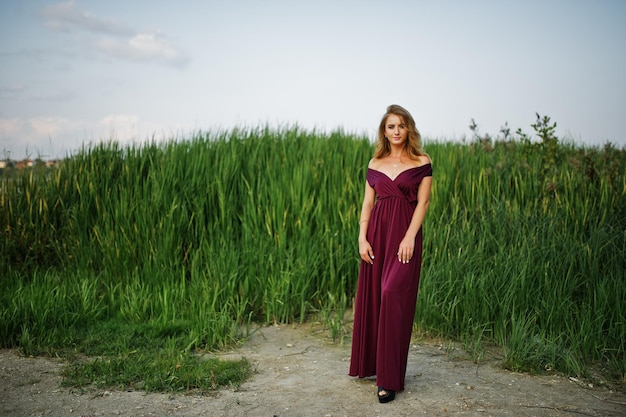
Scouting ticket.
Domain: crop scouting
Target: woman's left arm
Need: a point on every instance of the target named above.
(407, 245)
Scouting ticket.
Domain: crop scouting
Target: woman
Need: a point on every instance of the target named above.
(397, 193)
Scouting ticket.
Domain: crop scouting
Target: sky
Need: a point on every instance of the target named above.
(74, 73)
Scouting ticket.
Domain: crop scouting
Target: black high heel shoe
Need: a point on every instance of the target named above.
(389, 395)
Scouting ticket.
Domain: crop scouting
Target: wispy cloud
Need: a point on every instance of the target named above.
(113, 121)
(147, 46)
(68, 16)
(55, 97)
(22, 91)
(34, 126)
(11, 92)
(31, 137)
(114, 38)
(50, 126)
(55, 137)
(10, 127)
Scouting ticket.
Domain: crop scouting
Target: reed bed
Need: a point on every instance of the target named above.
(208, 235)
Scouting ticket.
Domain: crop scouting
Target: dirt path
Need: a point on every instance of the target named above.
(299, 373)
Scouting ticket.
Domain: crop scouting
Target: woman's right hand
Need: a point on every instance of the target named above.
(366, 252)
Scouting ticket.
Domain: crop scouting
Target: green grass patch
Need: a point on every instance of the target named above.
(149, 358)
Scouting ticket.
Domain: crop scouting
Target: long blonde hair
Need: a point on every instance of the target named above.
(413, 145)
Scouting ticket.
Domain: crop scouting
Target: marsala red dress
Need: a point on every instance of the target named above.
(387, 289)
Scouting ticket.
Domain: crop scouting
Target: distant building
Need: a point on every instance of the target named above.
(28, 163)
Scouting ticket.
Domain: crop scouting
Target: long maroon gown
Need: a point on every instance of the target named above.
(387, 289)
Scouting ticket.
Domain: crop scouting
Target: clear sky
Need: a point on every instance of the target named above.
(83, 71)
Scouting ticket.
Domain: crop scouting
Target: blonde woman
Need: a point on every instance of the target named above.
(397, 193)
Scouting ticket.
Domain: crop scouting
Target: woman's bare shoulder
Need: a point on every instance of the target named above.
(374, 163)
(424, 160)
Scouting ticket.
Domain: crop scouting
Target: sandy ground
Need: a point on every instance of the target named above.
(300, 373)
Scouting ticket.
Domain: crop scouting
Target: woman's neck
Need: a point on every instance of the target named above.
(397, 152)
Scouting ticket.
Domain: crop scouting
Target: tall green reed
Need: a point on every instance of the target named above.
(535, 265)
(226, 228)
(221, 229)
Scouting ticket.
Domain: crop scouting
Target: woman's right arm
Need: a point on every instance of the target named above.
(365, 249)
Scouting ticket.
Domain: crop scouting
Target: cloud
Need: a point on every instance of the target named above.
(147, 46)
(49, 126)
(119, 118)
(35, 136)
(12, 92)
(121, 125)
(10, 127)
(57, 137)
(113, 38)
(68, 16)
(129, 129)
(55, 97)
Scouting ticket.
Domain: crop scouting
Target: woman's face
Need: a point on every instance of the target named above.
(395, 130)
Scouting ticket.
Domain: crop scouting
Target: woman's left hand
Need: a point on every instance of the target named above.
(405, 251)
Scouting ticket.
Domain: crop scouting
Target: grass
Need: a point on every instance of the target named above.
(150, 358)
(185, 244)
